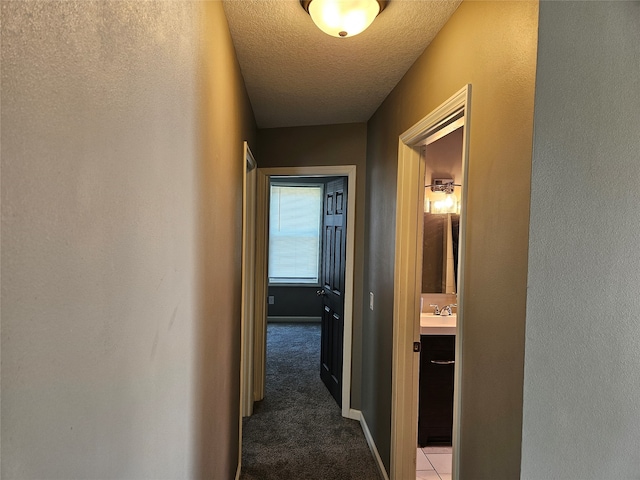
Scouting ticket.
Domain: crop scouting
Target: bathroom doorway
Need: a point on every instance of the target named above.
(443, 154)
(408, 279)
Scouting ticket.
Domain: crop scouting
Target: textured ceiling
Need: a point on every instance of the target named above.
(297, 75)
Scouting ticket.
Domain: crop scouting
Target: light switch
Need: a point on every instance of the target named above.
(370, 300)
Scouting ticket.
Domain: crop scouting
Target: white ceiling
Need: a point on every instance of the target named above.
(297, 75)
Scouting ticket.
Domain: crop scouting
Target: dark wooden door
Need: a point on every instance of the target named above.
(332, 291)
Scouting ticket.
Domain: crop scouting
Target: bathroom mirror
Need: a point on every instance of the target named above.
(440, 253)
(443, 160)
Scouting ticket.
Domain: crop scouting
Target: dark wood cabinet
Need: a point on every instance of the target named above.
(435, 411)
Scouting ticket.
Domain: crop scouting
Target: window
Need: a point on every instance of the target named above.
(295, 219)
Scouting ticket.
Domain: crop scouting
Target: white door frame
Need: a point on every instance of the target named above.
(248, 279)
(248, 291)
(262, 232)
(407, 285)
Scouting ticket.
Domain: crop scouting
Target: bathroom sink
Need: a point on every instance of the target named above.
(431, 324)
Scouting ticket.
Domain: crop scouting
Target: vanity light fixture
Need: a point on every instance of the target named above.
(343, 18)
(440, 197)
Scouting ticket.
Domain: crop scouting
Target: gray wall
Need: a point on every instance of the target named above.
(295, 301)
(582, 364)
(491, 45)
(343, 144)
(122, 130)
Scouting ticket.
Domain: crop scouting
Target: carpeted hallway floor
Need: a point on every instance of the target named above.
(297, 432)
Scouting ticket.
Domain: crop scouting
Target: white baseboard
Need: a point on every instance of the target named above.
(294, 319)
(357, 415)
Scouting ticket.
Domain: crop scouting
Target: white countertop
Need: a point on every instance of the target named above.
(431, 324)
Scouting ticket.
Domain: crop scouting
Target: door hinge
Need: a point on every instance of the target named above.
(416, 347)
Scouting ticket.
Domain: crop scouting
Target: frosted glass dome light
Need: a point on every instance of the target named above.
(343, 18)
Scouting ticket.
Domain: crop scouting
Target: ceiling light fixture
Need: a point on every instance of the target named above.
(343, 18)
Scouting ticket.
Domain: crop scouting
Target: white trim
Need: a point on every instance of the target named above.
(407, 285)
(457, 382)
(248, 280)
(348, 171)
(247, 291)
(357, 415)
(432, 122)
(444, 131)
(250, 159)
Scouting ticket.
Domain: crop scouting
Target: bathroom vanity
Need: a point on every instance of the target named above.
(437, 362)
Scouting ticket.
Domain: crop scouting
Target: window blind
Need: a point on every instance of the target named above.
(294, 233)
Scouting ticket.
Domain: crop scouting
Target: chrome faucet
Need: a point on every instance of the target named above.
(447, 309)
(436, 308)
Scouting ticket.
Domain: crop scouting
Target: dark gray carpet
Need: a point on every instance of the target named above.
(297, 432)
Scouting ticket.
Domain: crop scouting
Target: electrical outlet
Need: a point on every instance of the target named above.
(272, 299)
(370, 300)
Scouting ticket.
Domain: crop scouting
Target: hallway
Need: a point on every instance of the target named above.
(123, 130)
(297, 432)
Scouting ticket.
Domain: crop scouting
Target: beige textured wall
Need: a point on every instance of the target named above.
(582, 363)
(122, 129)
(227, 120)
(327, 145)
(491, 45)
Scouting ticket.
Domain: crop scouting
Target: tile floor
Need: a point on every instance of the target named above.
(433, 463)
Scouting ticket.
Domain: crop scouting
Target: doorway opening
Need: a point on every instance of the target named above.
(443, 159)
(410, 208)
(306, 267)
(264, 182)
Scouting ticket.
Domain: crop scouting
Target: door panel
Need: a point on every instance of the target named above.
(338, 262)
(325, 350)
(327, 255)
(333, 264)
